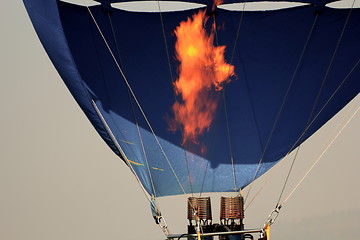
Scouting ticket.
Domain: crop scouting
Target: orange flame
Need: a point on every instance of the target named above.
(202, 70)
(218, 2)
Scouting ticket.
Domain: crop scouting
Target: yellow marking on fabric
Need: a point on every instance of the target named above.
(126, 141)
(155, 168)
(136, 163)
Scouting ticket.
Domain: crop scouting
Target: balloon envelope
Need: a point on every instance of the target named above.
(271, 65)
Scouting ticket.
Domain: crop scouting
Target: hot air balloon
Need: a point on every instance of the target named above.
(205, 99)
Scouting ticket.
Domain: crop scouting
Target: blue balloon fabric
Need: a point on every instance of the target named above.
(271, 65)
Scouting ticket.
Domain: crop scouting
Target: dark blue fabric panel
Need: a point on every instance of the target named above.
(45, 18)
(266, 55)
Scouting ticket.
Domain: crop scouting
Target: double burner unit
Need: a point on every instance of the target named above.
(231, 218)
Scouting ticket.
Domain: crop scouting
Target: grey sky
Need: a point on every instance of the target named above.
(58, 179)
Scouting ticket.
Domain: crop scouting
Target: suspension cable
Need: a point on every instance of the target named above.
(283, 160)
(330, 98)
(229, 142)
(259, 191)
(323, 107)
(108, 130)
(317, 98)
(132, 107)
(282, 105)
(327, 102)
(137, 102)
(172, 81)
(117, 145)
(275, 213)
(238, 32)
(226, 115)
(144, 151)
(226, 121)
(165, 41)
(321, 155)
